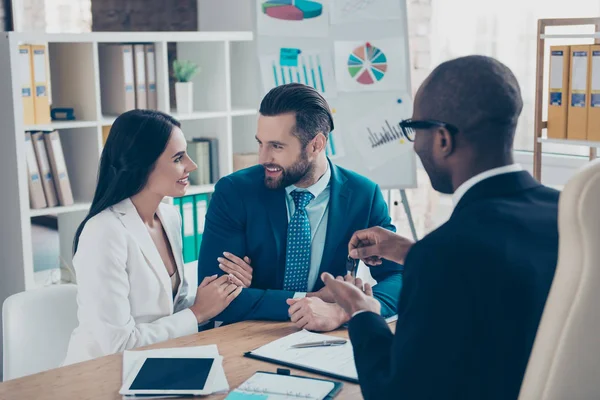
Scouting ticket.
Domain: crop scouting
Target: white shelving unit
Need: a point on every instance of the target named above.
(75, 82)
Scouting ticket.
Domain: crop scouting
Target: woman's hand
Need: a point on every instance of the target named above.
(214, 295)
(237, 267)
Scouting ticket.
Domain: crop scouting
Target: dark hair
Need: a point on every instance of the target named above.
(477, 94)
(135, 141)
(312, 111)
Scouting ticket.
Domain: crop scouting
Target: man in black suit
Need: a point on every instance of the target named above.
(475, 288)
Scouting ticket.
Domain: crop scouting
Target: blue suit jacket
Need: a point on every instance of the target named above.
(248, 219)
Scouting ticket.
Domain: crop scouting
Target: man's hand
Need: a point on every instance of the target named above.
(325, 294)
(237, 267)
(374, 244)
(314, 314)
(351, 298)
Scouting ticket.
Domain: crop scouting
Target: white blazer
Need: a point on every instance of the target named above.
(124, 291)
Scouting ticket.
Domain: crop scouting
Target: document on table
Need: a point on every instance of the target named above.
(334, 361)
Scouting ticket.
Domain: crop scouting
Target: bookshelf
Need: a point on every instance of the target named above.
(74, 81)
(541, 94)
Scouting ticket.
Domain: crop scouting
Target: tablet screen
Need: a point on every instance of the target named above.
(172, 374)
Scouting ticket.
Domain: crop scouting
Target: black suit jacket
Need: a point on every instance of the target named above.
(473, 297)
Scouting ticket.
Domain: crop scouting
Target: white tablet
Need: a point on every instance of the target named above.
(171, 375)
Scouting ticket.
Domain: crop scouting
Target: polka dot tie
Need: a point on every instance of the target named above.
(297, 263)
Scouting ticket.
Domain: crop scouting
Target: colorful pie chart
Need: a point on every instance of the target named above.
(367, 64)
(292, 10)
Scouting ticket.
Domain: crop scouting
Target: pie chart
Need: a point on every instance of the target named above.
(367, 64)
(292, 10)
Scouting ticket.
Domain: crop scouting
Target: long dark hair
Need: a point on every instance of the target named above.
(135, 141)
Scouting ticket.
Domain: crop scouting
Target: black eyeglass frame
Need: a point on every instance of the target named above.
(408, 127)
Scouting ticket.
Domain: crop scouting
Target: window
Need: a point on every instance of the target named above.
(507, 30)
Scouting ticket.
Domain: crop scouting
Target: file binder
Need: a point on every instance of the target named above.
(210, 174)
(44, 166)
(139, 62)
(578, 93)
(36, 191)
(59, 168)
(559, 84)
(40, 82)
(593, 128)
(151, 95)
(26, 84)
(188, 212)
(201, 201)
(116, 78)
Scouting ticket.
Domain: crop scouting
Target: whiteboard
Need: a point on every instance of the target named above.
(366, 138)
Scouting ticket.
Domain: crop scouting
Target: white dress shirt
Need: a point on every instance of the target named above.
(318, 213)
(124, 293)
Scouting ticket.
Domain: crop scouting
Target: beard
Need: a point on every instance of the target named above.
(290, 175)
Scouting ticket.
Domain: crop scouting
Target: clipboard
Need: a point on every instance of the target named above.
(300, 367)
(286, 372)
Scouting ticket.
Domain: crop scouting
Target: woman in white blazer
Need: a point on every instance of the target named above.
(128, 261)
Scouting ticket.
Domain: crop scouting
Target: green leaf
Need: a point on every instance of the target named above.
(184, 70)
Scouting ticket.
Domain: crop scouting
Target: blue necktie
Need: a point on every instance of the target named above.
(297, 262)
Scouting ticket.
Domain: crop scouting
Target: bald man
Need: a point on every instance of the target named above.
(474, 289)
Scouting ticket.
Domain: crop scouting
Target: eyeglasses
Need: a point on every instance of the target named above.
(408, 127)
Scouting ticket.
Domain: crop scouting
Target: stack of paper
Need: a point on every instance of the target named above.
(218, 384)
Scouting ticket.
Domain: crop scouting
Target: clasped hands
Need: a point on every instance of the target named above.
(341, 297)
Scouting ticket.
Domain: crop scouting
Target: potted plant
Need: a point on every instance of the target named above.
(184, 71)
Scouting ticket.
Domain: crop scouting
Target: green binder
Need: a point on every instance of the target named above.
(188, 212)
(201, 207)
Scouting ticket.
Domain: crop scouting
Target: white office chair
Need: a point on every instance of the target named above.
(36, 327)
(565, 361)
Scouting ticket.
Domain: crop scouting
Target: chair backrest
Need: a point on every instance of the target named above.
(565, 360)
(36, 327)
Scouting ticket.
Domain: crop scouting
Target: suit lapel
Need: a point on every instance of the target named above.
(134, 224)
(173, 234)
(277, 211)
(497, 186)
(339, 201)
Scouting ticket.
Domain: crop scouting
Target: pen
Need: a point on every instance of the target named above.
(322, 343)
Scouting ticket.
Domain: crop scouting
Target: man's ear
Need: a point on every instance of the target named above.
(318, 143)
(445, 141)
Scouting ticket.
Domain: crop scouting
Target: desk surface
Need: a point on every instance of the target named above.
(101, 378)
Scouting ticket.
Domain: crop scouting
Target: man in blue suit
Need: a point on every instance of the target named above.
(293, 216)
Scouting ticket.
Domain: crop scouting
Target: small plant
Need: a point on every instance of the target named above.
(184, 70)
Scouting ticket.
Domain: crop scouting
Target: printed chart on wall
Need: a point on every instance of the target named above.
(306, 18)
(378, 65)
(309, 67)
(345, 11)
(335, 144)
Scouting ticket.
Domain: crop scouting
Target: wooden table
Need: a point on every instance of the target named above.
(101, 378)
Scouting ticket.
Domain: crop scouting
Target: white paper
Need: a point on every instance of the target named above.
(25, 69)
(377, 136)
(219, 382)
(278, 21)
(373, 65)
(200, 215)
(188, 219)
(140, 68)
(556, 72)
(595, 72)
(314, 69)
(59, 157)
(345, 11)
(39, 66)
(128, 65)
(333, 359)
(287, 386)
(335, 146)
(579, 72)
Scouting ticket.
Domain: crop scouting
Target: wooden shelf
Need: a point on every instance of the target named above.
(569, 142)
(55, 125)
(202, 189)
(60, 210)
(196, 115)
(240, 112)
(595, 35)
(137, 37)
